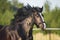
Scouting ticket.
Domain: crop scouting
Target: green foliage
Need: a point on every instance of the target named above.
(6, 17)
(52, 18)
(20, 5)
(4, 5)
(47, 6)
(6, 12)
(35, 31)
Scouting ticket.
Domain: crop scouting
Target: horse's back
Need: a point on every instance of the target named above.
(1, 26)
(2, 33)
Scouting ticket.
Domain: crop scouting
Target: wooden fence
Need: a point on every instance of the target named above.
(49, 36)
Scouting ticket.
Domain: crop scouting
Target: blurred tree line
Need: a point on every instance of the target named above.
(7, 10)
(52, 17)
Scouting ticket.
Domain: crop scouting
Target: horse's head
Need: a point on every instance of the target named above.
(38, 18)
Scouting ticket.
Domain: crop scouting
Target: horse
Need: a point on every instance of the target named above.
(14, 30)
(21, 26)
(38, 21)
(26, 17)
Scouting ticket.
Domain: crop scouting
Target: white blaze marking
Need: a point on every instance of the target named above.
(44, 25)
(43, 20)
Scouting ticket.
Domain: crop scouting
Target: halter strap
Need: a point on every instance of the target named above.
(41, 23)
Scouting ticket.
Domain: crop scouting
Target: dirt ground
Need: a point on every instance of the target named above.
(41, 36)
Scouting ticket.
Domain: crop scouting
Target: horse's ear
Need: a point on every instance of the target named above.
(40, 9)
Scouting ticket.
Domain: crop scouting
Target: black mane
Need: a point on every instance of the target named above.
(23, 12)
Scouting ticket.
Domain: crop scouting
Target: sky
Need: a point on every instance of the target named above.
(54, 3)
(32, 3)
(40, 3)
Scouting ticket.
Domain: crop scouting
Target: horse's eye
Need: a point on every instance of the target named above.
(37, 16)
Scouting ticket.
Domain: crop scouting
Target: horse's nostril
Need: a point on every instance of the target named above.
(29, 23)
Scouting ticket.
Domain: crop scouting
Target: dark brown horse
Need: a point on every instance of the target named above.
(38, 20)
(21, 27)
(17, 29)
(26, 17)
